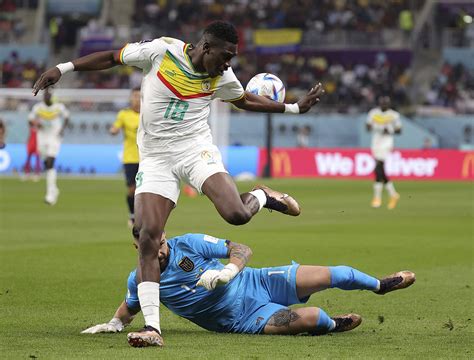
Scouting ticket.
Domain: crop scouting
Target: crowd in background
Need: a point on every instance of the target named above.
(12, 27)
(453, 88)
(15, 73)
(349, 86)
(192, 15)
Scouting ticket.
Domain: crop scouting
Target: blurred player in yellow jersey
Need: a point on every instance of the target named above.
(127, 121)
(383, 122)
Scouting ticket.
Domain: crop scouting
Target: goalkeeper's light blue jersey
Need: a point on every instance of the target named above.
(190, 256)
(244, 305)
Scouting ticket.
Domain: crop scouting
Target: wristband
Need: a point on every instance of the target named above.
(292, 108)
(234, 269)
(65, 67)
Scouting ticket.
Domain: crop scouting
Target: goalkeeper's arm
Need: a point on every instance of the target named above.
(122, 317)
(239, 255)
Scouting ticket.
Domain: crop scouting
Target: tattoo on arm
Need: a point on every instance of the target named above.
(283, 317)
(240, 252)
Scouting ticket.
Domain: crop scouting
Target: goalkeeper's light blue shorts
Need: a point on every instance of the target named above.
(267, 290)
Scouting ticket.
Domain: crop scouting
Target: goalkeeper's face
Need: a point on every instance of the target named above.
(163, 254)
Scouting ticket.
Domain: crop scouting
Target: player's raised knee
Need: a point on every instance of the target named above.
(237, 217)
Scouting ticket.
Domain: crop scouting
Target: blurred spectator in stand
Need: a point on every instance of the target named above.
(405, 22)
(302, 136)
(467, 139)
(3, 132)
(427, 143)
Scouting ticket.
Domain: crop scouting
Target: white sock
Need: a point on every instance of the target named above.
(261, 197)
(378, 187)
(378, 285)
(390, 188)
(51, 181)
(149, 296)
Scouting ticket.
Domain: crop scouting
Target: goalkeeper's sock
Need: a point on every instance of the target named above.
(149, 296)
(261, 197)
(324, 324)
(347, 278)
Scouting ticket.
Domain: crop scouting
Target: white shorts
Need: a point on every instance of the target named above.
(161, 174)
(381, 153)
(381, 147)
(48, 146)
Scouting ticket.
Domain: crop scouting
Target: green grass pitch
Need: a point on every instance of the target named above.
(64, 268)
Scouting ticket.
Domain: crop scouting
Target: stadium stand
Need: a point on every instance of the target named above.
(357, 48)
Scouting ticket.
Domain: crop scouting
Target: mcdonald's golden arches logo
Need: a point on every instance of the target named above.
(281, 163)
(468, 165)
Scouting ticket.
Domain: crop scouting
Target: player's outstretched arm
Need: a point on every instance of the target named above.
(256, 103)
(122, 317)
(96, 61)
(239, 255)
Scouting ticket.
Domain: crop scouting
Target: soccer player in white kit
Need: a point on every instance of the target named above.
(383, 122)
(175, 142)
(51, 119)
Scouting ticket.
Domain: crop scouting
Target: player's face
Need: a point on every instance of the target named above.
(217, 58)
(47, 97)
(384, 103)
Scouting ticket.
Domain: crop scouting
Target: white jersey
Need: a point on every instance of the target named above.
(175, 97)
(50, 117)
(384, 124)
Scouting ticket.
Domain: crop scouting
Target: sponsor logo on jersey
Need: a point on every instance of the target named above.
(211, 239)
(186, 264)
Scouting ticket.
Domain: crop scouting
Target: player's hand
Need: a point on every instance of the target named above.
(113, 326)
(46, 79)
(209, 279)
(311, 98)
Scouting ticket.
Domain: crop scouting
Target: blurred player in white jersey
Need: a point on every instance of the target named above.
(51, 119)
(384, 123)
(175, 142)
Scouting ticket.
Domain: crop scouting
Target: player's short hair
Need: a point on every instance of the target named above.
(223, 30)
(136, 88)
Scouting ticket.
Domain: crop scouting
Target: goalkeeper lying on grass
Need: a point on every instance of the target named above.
(234, 298)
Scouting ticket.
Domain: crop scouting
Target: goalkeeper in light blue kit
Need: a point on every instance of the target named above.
(237, 299)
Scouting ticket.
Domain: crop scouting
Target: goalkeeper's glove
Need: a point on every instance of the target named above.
(113, 326)
(211, 279)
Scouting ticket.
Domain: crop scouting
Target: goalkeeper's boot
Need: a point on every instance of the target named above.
(392, 203)
(397, 281)
(280, 202)
(376, 202)
(346, 322)
(148, 336)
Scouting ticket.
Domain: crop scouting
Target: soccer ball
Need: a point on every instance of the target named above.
(269, 85)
